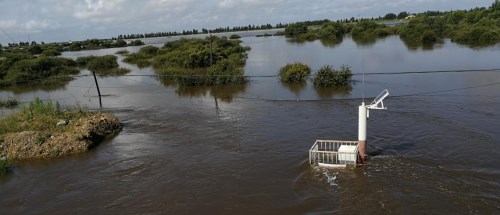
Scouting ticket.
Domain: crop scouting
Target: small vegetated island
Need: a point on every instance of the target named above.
(45, 129)
(195, 62)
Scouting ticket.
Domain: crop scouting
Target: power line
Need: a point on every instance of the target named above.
(396, 96)
(264, 76)
(5, 32)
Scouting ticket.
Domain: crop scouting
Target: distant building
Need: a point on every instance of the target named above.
(410, 17)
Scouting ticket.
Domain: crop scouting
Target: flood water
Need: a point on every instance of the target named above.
(244, 149)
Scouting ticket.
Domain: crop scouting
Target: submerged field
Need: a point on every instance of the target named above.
(243, 149)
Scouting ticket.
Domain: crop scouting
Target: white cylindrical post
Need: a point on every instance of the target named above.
(362, 132)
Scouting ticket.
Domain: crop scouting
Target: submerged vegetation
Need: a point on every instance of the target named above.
(5, 165)
(102, 65)
(293, 73)
(18, 68)
(195, 62)
(8, 103)
(45, 130)
(143, 57)
(475, 27)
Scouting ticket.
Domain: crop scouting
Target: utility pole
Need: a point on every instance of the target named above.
(98, 91)
(210, 36)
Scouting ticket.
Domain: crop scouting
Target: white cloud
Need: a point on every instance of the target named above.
(106, 18)
(99, 10)
(28, 26)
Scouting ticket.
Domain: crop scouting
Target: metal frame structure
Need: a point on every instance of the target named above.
(326, 153)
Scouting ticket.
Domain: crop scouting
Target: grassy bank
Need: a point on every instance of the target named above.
(46, 130)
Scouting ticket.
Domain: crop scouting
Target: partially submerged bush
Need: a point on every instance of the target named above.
(9, 103)
(190, 62)
(235, 36)
(143, 57)
(136, 43)
(295, 72)
(122, 52)
(102, 65)
(114, 72)
(327, 76)
(22, 71)
(50, 53)
(5, 165)
(222, 73)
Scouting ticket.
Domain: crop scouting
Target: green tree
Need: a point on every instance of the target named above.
(296, 29)
(120, 43)
(136, 43)
(35, 49)
(403, 15)
(390, 16)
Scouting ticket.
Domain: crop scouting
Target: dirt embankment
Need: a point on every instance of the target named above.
(80, 136)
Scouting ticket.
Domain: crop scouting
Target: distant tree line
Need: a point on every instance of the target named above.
(203, 31)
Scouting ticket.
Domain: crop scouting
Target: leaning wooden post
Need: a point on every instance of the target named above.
(98, 91)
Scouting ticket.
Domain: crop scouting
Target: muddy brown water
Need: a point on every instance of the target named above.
(244, 150)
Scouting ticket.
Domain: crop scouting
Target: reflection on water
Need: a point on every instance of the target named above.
(330, 92)
(416, 45)
(47, 86)
(331, 43)
(364, 40)
(225, 93)
(295, 87)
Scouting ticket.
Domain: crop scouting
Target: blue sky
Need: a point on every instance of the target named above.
(65, 20)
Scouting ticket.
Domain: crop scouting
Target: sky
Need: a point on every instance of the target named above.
(73, 20)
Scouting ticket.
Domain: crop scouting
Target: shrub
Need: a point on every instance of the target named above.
(102, 63)
(296, 29)
(296, 72)
(235, 36)
(122, 52)
(136, 43)
(9, 103)
(327, 76)
(50, 53)
(139, 59)
(113, 72)
(25, 70)
(149, 50)
(221, 73)
(188, 61)
(5, 165)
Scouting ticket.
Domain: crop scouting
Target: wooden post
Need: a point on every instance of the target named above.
(98, 91)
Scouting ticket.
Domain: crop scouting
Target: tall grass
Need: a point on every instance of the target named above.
(39, 116)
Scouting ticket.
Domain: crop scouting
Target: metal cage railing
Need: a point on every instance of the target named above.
(326, 153)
